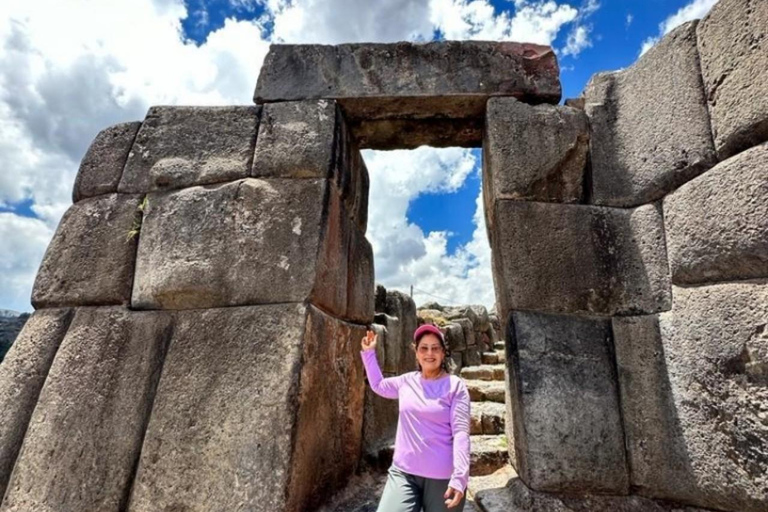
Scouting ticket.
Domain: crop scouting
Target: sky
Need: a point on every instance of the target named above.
(69, 68)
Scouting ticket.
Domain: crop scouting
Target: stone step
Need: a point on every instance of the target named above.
(495, 357)
(486, 391)
(499, 345)
(487, 418)
(496, 480)
(487, 454)
(483, 372)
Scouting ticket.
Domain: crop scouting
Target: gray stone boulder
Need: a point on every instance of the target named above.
(409, 94)
(83, 442)
(469, 331)
(91, 257)
(102, 166)
(268, 241)
(650, 124)
(380, 414)
(258, 408)
(310, 139)
(694, 393)
(454, 337)
(734, 56)
(471, 356)
(360, 281)
(580, 259)
(515, 496)
(179, 147)
(22, 375)
(568, 430)
(395, 348)
(717, 225)
(533, 153)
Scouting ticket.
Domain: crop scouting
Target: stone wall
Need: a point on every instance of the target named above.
(631, 265)
(199, 312)
(467, 329)
(200, 308)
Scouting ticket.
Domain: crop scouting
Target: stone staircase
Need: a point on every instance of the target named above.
(486, 391)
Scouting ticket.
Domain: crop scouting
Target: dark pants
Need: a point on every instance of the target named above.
(410, 493)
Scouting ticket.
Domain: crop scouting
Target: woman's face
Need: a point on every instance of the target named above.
(429, 353)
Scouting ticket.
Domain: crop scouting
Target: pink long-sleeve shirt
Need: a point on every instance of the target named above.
(432, 437)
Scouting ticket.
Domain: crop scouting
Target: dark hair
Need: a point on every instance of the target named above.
(447, 362)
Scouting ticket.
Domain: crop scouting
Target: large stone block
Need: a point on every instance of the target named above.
(580, 259)
(733, 45)
(85, 435)
(515, 496)
(717, 225)
(267, 241)
(310, 139)
(650, 125)
(91, 257)
(102, 166)
(257, 409)
(381, 414)
(330, 411)
(395, 347)
(567, 429)
(694, 388)
(533, 153)
(408, 94)
(180, 147)
(22, 375)
(360, 283)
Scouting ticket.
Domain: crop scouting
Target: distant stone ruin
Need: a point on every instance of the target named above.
(199, 310)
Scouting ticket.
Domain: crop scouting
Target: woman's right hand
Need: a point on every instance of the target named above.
(369, 340)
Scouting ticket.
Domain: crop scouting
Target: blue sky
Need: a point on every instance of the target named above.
(69, 68)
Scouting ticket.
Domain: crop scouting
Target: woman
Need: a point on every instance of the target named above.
(430, 468)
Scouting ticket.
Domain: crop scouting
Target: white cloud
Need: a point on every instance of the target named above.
(630, 18)
(578, 40)
(404, 254)
(695, 10)
(69, 68)
(24, 242)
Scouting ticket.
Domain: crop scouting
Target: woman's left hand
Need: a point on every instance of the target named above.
(457, 496)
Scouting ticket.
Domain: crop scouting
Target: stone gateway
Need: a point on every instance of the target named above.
(200, 306)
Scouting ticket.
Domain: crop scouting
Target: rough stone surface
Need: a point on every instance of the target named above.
(534, 153)
(489, 417)
(650, 125)
(484, 372)
(90, 259)
(380, 414)
(717, 224)
(85, 435)
(515, 496)
(330, 408)
(179, 147)
(694, 386)
(395, 350)
(471, 356)
(454, 337)
(483, 390)
(580, 259)
(734, 56)
(259, 233)
(360, 284)
(233, 390)
(487, 454)
(296, 140)
(22, 375)
(102, 166)
(565, 408)
(404, 91)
